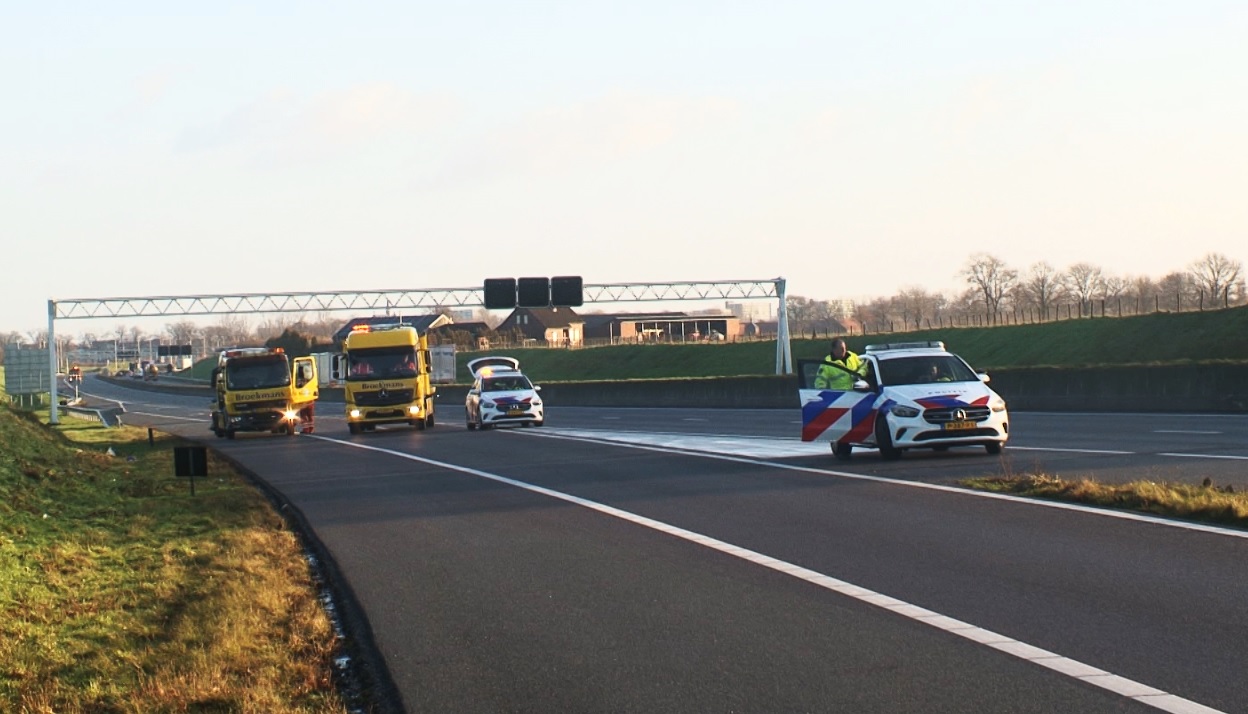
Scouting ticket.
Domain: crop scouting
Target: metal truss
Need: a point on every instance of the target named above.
(389, 300)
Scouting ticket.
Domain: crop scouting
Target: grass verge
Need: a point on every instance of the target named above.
(120, 592)
(1206, 503)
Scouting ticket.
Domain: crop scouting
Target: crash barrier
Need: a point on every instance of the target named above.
(108, 416)
(1138, 388)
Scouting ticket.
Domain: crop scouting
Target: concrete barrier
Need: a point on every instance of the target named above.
(1218, 387)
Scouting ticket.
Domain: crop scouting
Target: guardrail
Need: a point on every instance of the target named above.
(108, 416)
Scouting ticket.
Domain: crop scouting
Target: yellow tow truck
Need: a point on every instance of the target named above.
(385, 372)
(262, 389)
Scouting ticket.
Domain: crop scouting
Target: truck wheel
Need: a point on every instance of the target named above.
(290, 428)
(418, 423)
(353, 428)
(229, 433)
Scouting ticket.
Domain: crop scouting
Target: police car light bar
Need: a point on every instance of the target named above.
(930, 344)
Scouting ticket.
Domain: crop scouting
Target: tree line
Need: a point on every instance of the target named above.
(997, 294)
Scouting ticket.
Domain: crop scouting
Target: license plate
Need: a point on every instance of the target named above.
(959, 425)
(515, 412)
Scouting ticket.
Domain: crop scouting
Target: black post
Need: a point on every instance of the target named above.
(151, 439)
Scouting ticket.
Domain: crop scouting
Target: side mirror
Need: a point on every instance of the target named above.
(983, 377)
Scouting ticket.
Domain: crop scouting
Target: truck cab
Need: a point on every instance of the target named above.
(385, 371)
(262, 389)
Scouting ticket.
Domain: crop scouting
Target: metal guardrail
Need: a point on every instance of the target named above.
(108, 416)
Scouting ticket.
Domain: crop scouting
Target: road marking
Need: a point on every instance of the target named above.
(694, 419)
(1207, 456)
(1182, 431)
(171, 416)
(1007, 645)
(707, 453)
(1071, 451)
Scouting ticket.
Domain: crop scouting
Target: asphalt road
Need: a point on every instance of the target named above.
(624, 560)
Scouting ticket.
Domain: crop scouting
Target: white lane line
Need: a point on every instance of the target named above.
(694, 419)
(609, 418)
(1206, 456)
(1063, 665)
(171, 416)
(1183, 431)
(1071, 451)
(717, 454)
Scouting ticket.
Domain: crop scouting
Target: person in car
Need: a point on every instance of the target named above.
(841, 368)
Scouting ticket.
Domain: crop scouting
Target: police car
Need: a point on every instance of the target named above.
(501, 394)
(915, 395)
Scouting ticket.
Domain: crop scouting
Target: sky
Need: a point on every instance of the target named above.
(855, 149)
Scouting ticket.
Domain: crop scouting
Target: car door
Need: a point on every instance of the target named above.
(844, 417)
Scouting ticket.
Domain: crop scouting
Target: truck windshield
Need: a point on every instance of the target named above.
(381, 362)
(257, 373)
(927, 369)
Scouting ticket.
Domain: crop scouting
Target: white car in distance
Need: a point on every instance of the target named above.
(501, 394)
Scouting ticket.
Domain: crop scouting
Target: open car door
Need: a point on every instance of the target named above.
(840, 417)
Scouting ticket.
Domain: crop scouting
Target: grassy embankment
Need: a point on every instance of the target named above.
(119, 592)
(1179, 339)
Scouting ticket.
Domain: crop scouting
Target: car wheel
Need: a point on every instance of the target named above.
(540, 423)
(844, 452)
(884, 440)
(993, 447)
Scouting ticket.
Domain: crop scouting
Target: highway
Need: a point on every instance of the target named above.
(637, 560)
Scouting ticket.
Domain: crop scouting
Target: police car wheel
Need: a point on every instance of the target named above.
(993, 447)
(842, 451)
(884, 441)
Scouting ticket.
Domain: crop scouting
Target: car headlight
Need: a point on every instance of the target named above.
(903, 411)
(413, 409)
(355, 414)
(291, 414)
(487, 403)
(537, 402)
(997, 404)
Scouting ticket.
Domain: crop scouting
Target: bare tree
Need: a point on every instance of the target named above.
(1041, 287)
(1216, 275)
(992, 280)
(917, 305)
(1177, 290)
(1083, 280)
(1113, 288)
(234, 331)
(182, 332)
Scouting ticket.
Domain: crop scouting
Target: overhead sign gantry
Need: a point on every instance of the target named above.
(431, 298)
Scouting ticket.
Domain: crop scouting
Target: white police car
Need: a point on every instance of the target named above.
(501, 394)
(915, 395)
